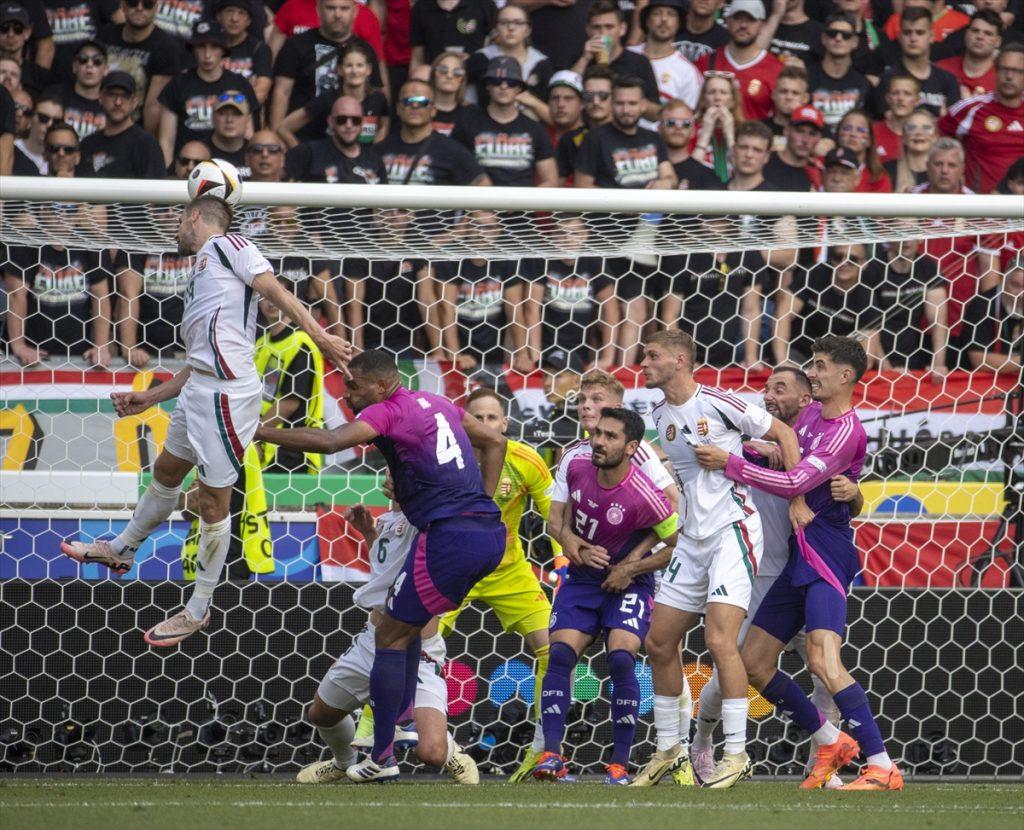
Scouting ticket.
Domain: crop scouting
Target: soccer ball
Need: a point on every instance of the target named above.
(215, 177)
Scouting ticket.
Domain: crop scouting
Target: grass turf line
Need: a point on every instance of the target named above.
(178, 804)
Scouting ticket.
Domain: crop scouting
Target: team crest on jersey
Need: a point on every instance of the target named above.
(993, 123)
(703, 428)
(615, 514)
(670, 432)
(201, 265)
(754, 86)
(506, 487)
(465, 27)
(815, 442)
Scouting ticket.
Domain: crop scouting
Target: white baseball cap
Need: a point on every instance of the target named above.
(566, 77)
(755, 8)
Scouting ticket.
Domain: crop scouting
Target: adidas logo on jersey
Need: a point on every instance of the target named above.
(720, 592)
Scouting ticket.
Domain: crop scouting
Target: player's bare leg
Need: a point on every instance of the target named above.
(336, 728)
(438, 748)
(566, 646)
(822, 699)
(723, 622)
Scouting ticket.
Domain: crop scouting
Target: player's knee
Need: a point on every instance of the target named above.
(320, 714)
(561, 659)
(720, 643)
(432, 749)
(759, 670)
(212, 507)
(620, 666)
(659, 648)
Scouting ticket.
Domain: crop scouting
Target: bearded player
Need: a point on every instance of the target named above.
(219, 399)
(812, 591)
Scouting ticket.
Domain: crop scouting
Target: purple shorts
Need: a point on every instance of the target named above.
(787, 608)
(587, 607)
(446, 561)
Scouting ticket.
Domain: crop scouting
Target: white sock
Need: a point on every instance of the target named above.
(339, 740)
(538, 737)
(709, 713)
(734, 724)
(155, 505)
(828, 733)
(214, 540)
(685, 715)
(452, 748)
(882, 760)
(827, 706)
(666, 721)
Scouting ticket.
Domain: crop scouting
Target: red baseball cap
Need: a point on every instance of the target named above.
(807, 115)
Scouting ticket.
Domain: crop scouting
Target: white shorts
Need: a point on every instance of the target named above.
(720, 568)
(346, 686)
(212, 424)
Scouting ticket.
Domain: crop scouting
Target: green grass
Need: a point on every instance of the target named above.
(182, 804)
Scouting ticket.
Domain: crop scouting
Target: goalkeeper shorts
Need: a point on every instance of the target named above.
(516, 596)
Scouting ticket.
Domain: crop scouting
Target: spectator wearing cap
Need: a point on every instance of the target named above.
(304, 67)
(854, 132)
(755, 69)
(991, 126)
(597, 110)
(676, 125)
(448, 78)
(565, 104)
(74, 23)
(341, 156)
(834, 85)
(231, 122)
(700, 31)
(512, 32)
(146, 52)
(248, 54)
(901, 99)
(438, 26)
(512, 149)
(975, 68)
(677, 78)
(841, 171)
(911, 167)
(122, 149)
(993, 333)
(15, 34)
(82, 107)
(40, 42)
(606, 28)
(796, 38)
(187, 101)
(31, 149)
(790, 93)
(792, 168)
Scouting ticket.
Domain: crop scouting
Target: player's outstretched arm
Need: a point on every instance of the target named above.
(132, 403)
(492, 446)
(326, 441)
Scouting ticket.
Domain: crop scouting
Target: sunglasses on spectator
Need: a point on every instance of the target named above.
(231, 98)
(95, 60)
(513, 24)
(62, 149)
(717, 73)
(927, 129)
(45, 119)
(592, 96)
(12, 27)
(845, 35)
(264, 149)
(454, 71)
(500, 82)
(185, 161)
(146, 4)
(346, 120)
(416, 101)
(24, 109)
(678, 123)
(852, 128)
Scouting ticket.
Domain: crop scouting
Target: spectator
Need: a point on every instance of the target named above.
(790, 93)
(676, 127)
(792, 168)
(448, 78)
(955, 44)
(911, 168)
(190, 154)
(10, 74)
(15, 34)
(835, 86)
(565, 104)
(868, 37)
(8, 125)
(901, 100)
(512, 149)
(23, 107)
(438, 26)
(248, 54)
(754, 68)
(975, 68)
(82, 107)
(1013, 182)
(750, 155)
(945, 20)
(841, 174)
(341, 156)
(597, 109)
(380, 304)
(797, 38)
(146, 52)
(677, 78)
(605, 30)
(295, 17)
(939, 88)
(40, 43)
(58, 298)
(355, 69)
(701, 32)
(305, 66)
(230, 124)
(993, 335)
(74, 23)
(990, 125)
(719, 114)
(179, 19)
(122, 149)
(187, 101)
(854, 132)
(511, 39)
(559, 29)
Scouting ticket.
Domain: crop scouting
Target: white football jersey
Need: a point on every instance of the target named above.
(775, 529)
(677, 78)
(387, 556)
(645, 458)
(218, 327)
(709, 500)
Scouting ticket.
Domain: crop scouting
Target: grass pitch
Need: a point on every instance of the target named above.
(181, 804)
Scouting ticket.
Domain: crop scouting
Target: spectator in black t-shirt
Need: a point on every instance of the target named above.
(750, 155)
(230, 123)
(512, 149)
(437, 26)
(701, 32)
(606, 29)
(789, 93)
(835, 86)
(248, 54)
(792, 168)
(597, 110)
(565, 103)
(305, 66)
(122, 149)
(15, 34)
(74, 23)
(341, 157)
(82, 107)
(188, 100)
(558, 29)
(676, 128)
(380, 303)
(23, 106)
(993, 332)
(797, 38)
(449, 80)
(474, 291)
(32, 148)
(147, 53)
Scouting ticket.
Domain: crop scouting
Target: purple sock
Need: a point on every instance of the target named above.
(625, 703)
(783, 692)
(387, 685)
(412, 672)
(555, 695)
(853, 706)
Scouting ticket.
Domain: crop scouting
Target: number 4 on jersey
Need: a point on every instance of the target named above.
(448, 448)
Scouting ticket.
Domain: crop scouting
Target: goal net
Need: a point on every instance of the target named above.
(521, 291)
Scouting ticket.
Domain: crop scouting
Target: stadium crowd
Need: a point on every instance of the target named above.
(843, 96)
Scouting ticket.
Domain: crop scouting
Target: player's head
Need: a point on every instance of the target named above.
(837, 363)
(488, 407)
(615, 437)
(668, 355)
(373, 377)
(201, 219)
(786, 392)
(597, 390)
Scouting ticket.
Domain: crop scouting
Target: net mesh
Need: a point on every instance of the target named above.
(464, 298)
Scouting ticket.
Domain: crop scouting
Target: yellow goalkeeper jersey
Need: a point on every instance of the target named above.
(523, 475)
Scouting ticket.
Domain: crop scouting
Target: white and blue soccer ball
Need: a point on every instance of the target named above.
(215, 177)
